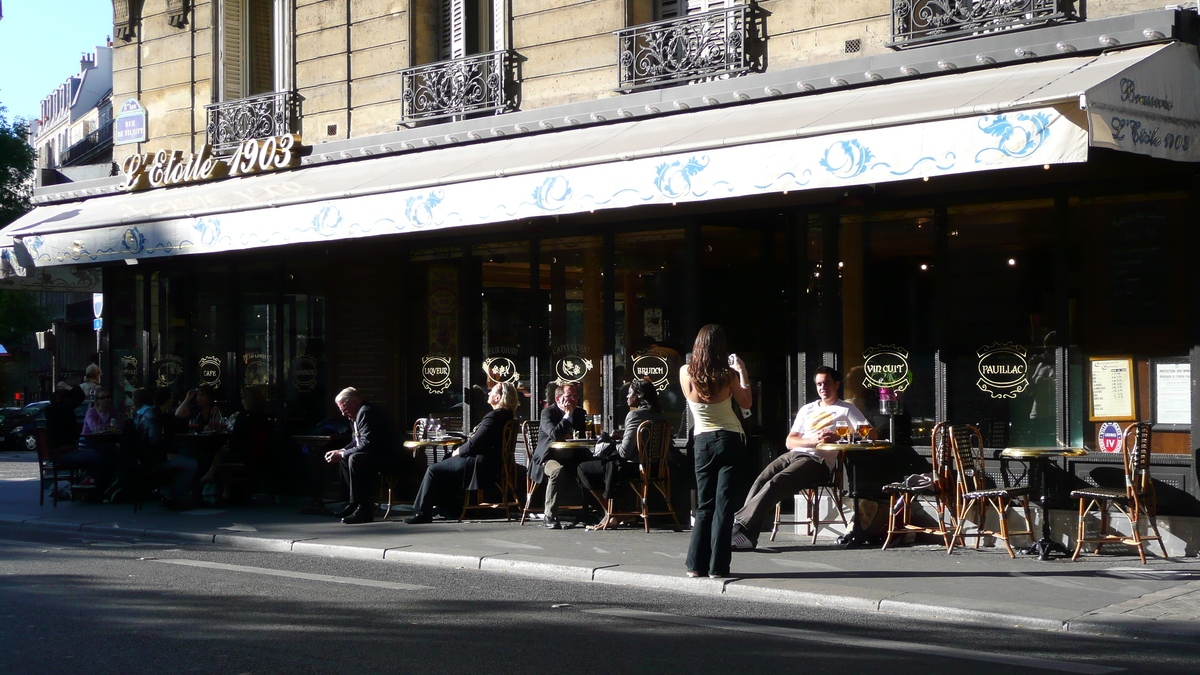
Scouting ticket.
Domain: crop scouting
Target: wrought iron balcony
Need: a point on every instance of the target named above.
(916, 22)
(480, 83)
(91, 146)
(262, 116)
(706, 46)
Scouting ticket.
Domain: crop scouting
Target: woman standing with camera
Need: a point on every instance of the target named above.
(711, 381)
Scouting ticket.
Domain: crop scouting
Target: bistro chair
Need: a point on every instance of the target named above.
(474, 500)
(937, 494)
(976, 494)
(833, 489)
(654, 470)
(529, 432)
(1137, 501)
(49, 470)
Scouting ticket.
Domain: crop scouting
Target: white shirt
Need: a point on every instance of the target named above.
(814, 418)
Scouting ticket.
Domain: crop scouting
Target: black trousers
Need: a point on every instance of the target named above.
(718, 454)
(607, 475)
(360, 471)
(442, 487)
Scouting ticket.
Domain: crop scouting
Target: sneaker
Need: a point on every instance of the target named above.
(740, 542)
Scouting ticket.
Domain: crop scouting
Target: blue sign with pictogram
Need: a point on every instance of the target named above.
(1108, 438)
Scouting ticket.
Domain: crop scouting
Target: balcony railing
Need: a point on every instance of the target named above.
(89, 147)
(480, 83)
(916, 22)
(710, 45)
(262, 116)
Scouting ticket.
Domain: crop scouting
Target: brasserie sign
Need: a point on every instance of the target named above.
(1003, 369)
(172, 167)
(652, 367)
(886, 366)
(435, 373)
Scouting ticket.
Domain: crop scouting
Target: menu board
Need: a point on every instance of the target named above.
(1173, 392)
(1112, 388)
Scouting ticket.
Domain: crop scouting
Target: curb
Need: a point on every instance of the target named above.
(916, 605)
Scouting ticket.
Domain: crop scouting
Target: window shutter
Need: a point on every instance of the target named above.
(232, 52)
(453, 29)
(668, 9)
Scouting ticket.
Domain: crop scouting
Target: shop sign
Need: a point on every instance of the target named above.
(304, 373)
(1003, 369)
(173, 167)
(886, 366)
(167, 370)
(1109, 437)
(435, 374)
(652, 367)
(258, 368)
(129, 126)
(572, 369)
(501, 369)
(129, 370)
(210, 371)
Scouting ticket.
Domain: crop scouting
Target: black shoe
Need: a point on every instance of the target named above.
(365, 513)
(345, 510)
(552, 523)
(419, 518)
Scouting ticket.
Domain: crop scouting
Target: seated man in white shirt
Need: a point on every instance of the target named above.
(804, 465)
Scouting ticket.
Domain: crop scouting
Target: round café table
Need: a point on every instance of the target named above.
(447, 443)
(1039, 460)
(572, 450)
(855, 536)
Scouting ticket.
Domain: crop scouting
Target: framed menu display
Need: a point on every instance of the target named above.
(1171, 393)
(1112, 388)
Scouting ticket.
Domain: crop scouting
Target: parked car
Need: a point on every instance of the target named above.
(16, 430)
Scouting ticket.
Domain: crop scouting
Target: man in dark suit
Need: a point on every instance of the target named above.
(558, 422)
(372, 449)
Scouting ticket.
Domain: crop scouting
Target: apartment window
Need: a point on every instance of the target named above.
(669, 9)
(465, 28)
(253, 46)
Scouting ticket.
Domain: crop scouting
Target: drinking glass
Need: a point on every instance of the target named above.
(843, 430)
(864, 430)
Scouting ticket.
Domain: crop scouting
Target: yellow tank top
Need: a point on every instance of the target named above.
(715, 417)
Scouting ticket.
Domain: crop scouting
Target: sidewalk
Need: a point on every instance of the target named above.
(1110, 595)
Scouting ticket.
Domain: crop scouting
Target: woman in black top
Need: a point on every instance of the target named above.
(609, 473)
(475, 464)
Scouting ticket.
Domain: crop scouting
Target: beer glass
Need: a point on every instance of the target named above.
(842, 427)
(864, 430)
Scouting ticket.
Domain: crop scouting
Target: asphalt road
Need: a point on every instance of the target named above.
(96, 605)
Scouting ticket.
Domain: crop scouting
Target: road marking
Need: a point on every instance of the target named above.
(859, 642)
(293, 575)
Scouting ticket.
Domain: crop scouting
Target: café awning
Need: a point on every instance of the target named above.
(1143, 100)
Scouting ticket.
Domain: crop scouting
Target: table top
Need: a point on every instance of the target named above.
(570, 443)
(1043, 451)
(318, 438)
(867, 445)
(431, 442)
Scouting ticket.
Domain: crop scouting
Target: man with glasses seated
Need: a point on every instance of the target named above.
(804, 466)
(558, 422)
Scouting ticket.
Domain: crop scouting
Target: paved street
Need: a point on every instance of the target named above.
(104, 605)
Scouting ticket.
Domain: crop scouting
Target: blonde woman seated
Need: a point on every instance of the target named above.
(475, 464)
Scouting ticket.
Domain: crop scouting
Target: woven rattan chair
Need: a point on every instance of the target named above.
(474, 500)
(1137, 501)
(529, 431)
(834, 489)
(977, 496)
(654, 445)
(938, 495)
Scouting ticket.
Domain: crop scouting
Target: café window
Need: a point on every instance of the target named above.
(211, 360)
(647, 318)
(510, 312)
(571, 272)
(433, 368)
(888, 272)
(1001, 344)
(302, 343)
(168, 330)
(258, 351)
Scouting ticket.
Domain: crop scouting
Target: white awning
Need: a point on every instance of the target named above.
(1014, 116)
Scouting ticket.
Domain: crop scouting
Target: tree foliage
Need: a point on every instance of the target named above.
(20, 316)
(16, 168)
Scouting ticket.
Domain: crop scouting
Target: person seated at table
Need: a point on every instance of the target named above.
(91, 383)
(158, 453)
(246, 456)
(804, 465)
(557, 423)
(102, 418)
(62, 427)
(199, 407)
(603, 476)
(372, 449)
(474, 465)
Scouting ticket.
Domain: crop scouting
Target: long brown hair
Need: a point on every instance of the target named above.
(709, 367)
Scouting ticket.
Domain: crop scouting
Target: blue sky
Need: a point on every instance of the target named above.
(40, 45)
